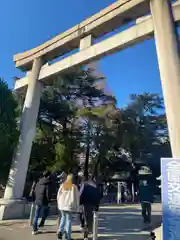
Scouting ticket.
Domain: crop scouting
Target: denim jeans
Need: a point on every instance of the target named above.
(40, 209)
(65, 223)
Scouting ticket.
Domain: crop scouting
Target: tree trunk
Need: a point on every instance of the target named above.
(71, 145)
(86, 164)
(64, 128)
(95, 170)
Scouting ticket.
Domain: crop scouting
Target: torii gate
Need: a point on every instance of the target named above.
(35, 62)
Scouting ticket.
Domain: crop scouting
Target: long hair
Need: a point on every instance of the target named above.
(68, 183)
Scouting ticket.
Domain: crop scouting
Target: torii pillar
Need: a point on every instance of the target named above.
(167, 46)
(12, 205)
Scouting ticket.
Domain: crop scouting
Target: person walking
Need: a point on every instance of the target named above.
(68, 203)
(146, 199)
(42, 195)
(90, 197)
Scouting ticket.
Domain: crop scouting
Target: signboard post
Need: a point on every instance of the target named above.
(170, 170)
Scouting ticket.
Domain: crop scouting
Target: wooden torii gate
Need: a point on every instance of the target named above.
(37, 63)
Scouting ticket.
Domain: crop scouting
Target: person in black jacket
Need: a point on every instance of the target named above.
(42, 195)
(90, 199)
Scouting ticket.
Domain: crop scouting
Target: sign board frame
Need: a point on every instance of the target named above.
(170, 172)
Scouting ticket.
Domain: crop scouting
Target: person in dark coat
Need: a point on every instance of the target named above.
(146, 198)
(42, 195)
(90, 199)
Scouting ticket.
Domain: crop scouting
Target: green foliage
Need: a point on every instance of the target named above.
(59, 110)
(8, 127)
(146, 124)
(143, 129)
(79, 118)
(80, 127)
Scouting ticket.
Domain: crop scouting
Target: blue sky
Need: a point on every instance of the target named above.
(26, 24)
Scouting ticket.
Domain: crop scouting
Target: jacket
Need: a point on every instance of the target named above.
(146, 193)
(43, 191)
(68, 199)
(90, 194)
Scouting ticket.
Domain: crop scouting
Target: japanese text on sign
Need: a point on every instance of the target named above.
(171, 198)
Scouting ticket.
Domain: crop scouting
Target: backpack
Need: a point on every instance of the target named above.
(68, 199)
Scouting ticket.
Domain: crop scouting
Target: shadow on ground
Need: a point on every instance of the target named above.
(115, 222)
(125, 223)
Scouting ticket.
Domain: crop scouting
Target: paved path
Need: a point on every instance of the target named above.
(115, 222)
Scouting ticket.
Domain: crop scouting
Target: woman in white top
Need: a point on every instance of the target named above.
(68, 203)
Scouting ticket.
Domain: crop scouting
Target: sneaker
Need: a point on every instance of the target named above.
(152, 236)
(86, 235)
(82, 226)
(60, 235)
(66, 236)
(34, 232)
